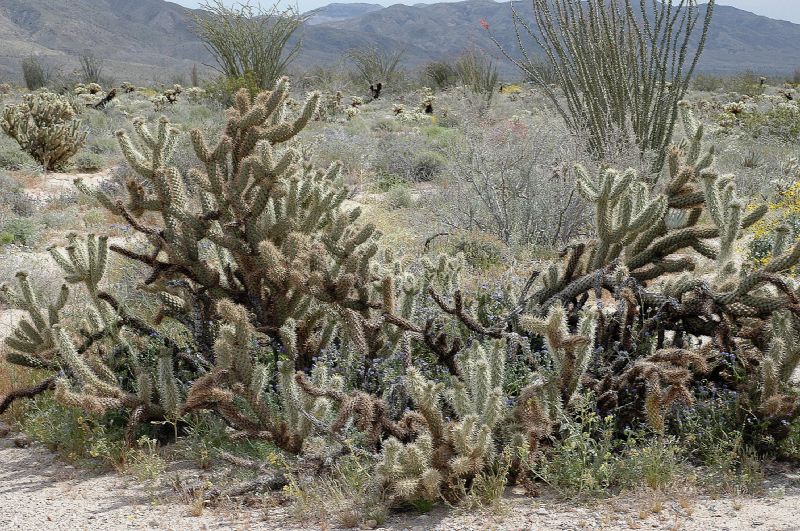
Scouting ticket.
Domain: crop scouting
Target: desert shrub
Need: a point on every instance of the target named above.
(426, 165)
(373, 65)
(718, 435)
(91, 67)
(87, 161)
(12, 158)
(478, 74)
(35, 73)
(20, 231)
(224, 88)
(783, 224)
(707, 83)
(14, 198)
(441, 74)
(501, 180)
(481, 250)
(347, 496)
(103, 145)
(248, 42)
(589, 458)
(746, 83)
(790, 447)
(44, 125)
(398, 196)
(407, 158)
(781, 121)
(75, 435)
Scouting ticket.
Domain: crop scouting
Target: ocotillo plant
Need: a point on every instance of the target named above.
(621, 69)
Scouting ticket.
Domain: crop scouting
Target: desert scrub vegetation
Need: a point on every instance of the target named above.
(249, 44)
(369, 304)
(268, 303)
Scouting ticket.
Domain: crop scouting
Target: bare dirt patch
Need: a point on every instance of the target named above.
(37, 491)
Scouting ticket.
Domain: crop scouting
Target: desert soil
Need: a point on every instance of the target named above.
(38, 491)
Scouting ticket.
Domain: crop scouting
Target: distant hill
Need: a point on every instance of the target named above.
(152, 40)
(339, 12)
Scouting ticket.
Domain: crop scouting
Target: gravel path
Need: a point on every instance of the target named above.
(39, 492)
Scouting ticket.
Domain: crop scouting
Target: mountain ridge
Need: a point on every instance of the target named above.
(152, 40)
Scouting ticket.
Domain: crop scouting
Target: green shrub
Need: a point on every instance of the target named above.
(399, 196)
(35, 73)
(87, 161)
(582, 461)
(481, 250)
(478, 74)
(441, 74)
(782, 122)
(103, 145)
(707, 83)
(14, 159)
(427, 165)
(719, 435)
(21, 231)
(224, 88)
(589, 458)
(75, 435)
(747, 83)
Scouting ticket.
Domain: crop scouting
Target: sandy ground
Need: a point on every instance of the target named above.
(37, 491)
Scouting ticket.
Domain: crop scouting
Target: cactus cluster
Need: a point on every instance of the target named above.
(45, 127)
(449, 452)
(168, 97)
(295, 325)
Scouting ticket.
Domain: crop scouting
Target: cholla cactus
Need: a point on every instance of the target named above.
(569, 354)
(45, 127)
(624, 210)
(262, 230)
(451, 451)
(656, 382)
(280, 243)
(778, 366)
(172, 94)
(735, 108)
(168, 97)
(407, 470)
(427, 101)
(195, 94)
(352, 112)
(32, 342)
(331, 105)
(86, 359)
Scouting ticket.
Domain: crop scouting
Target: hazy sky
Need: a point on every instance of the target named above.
(780, 9)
